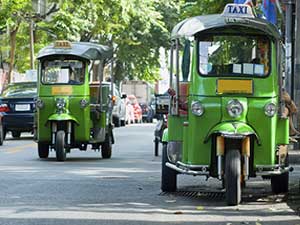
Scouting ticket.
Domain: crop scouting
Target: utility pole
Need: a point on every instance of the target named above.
(31, 36)
(288, 47)
(297, 61)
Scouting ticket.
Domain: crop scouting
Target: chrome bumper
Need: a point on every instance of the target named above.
(195, 170)
(272, 170)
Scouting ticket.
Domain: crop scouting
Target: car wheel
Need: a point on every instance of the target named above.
(123, 123)
(116, 121)
(106, 147)
(1, 135)
(43, 150)
(16, 134)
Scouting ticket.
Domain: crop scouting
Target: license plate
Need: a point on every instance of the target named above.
(22, 107)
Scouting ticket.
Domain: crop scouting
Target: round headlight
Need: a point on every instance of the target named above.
(60, 103)
(235, 108)
(39, 103)
(197, 108)
(83, 103)
(270, 109)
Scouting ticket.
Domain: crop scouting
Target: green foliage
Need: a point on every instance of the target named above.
(138, 28)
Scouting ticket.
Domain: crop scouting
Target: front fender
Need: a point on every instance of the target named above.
(233, 129)
(62, 117)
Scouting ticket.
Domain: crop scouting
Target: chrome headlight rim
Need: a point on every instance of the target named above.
(39, 103)
(197, 108)
(270, 109)
(60, 103)
(83, 103)
(235, 108)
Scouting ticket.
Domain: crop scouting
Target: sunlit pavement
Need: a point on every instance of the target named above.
(125, 189)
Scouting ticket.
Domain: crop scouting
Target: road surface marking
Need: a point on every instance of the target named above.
(19, 148)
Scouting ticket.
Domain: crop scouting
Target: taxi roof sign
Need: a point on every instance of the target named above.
(238, 10)
(62, 44)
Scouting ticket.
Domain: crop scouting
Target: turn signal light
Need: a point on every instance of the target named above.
(114, 98)
(4, 108)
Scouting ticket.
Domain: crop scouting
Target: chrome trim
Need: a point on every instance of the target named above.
(220, 167)
(246, 167)
(191, 166)
(188, 171)
(272, 170)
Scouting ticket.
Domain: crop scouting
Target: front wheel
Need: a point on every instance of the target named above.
(43, 150)
(16, 134)
(233, 177)
(106, 147)
(60, 146)
(168, 176)
(280, 183)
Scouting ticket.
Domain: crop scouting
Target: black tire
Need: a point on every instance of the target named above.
(60, 146)
(168, 176)
(4, 133)
(16, 134)
(1, 135)
(123, 123)
(280, 183)
(156, 146)
(116, 121)
(43, 150)
(233, 177)
(106, 147)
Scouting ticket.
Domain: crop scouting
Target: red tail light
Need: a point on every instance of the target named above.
(4, 108)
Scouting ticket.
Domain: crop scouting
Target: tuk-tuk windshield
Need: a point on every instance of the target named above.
(234, 55)
(63, 71)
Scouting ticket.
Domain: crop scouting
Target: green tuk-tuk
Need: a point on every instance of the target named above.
(227, 117)
(73, 108)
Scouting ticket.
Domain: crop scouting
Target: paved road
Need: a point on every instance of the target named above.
(124, 190)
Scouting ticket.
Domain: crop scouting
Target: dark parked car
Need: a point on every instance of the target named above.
(17, 108)
(147, 113)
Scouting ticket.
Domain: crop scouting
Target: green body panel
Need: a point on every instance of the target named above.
(165, 137)
(175, 125)
(282, 138)
(62, 117)
(231, 128)
(81, 117)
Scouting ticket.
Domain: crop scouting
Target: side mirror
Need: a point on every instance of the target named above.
(185, 66)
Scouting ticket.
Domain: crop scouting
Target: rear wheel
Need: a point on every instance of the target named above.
(106, 147)
(43, 150)
(233, 177)
(280, 183)
(60, 146)
(16, 134)
(168, 176)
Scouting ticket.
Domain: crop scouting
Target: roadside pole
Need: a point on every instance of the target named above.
(297, 62)
(288, 47)
(31, 36)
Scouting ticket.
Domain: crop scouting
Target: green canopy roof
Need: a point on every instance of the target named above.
(191, 26)
(86, 50)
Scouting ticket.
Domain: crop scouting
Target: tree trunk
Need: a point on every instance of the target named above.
(13, 36)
